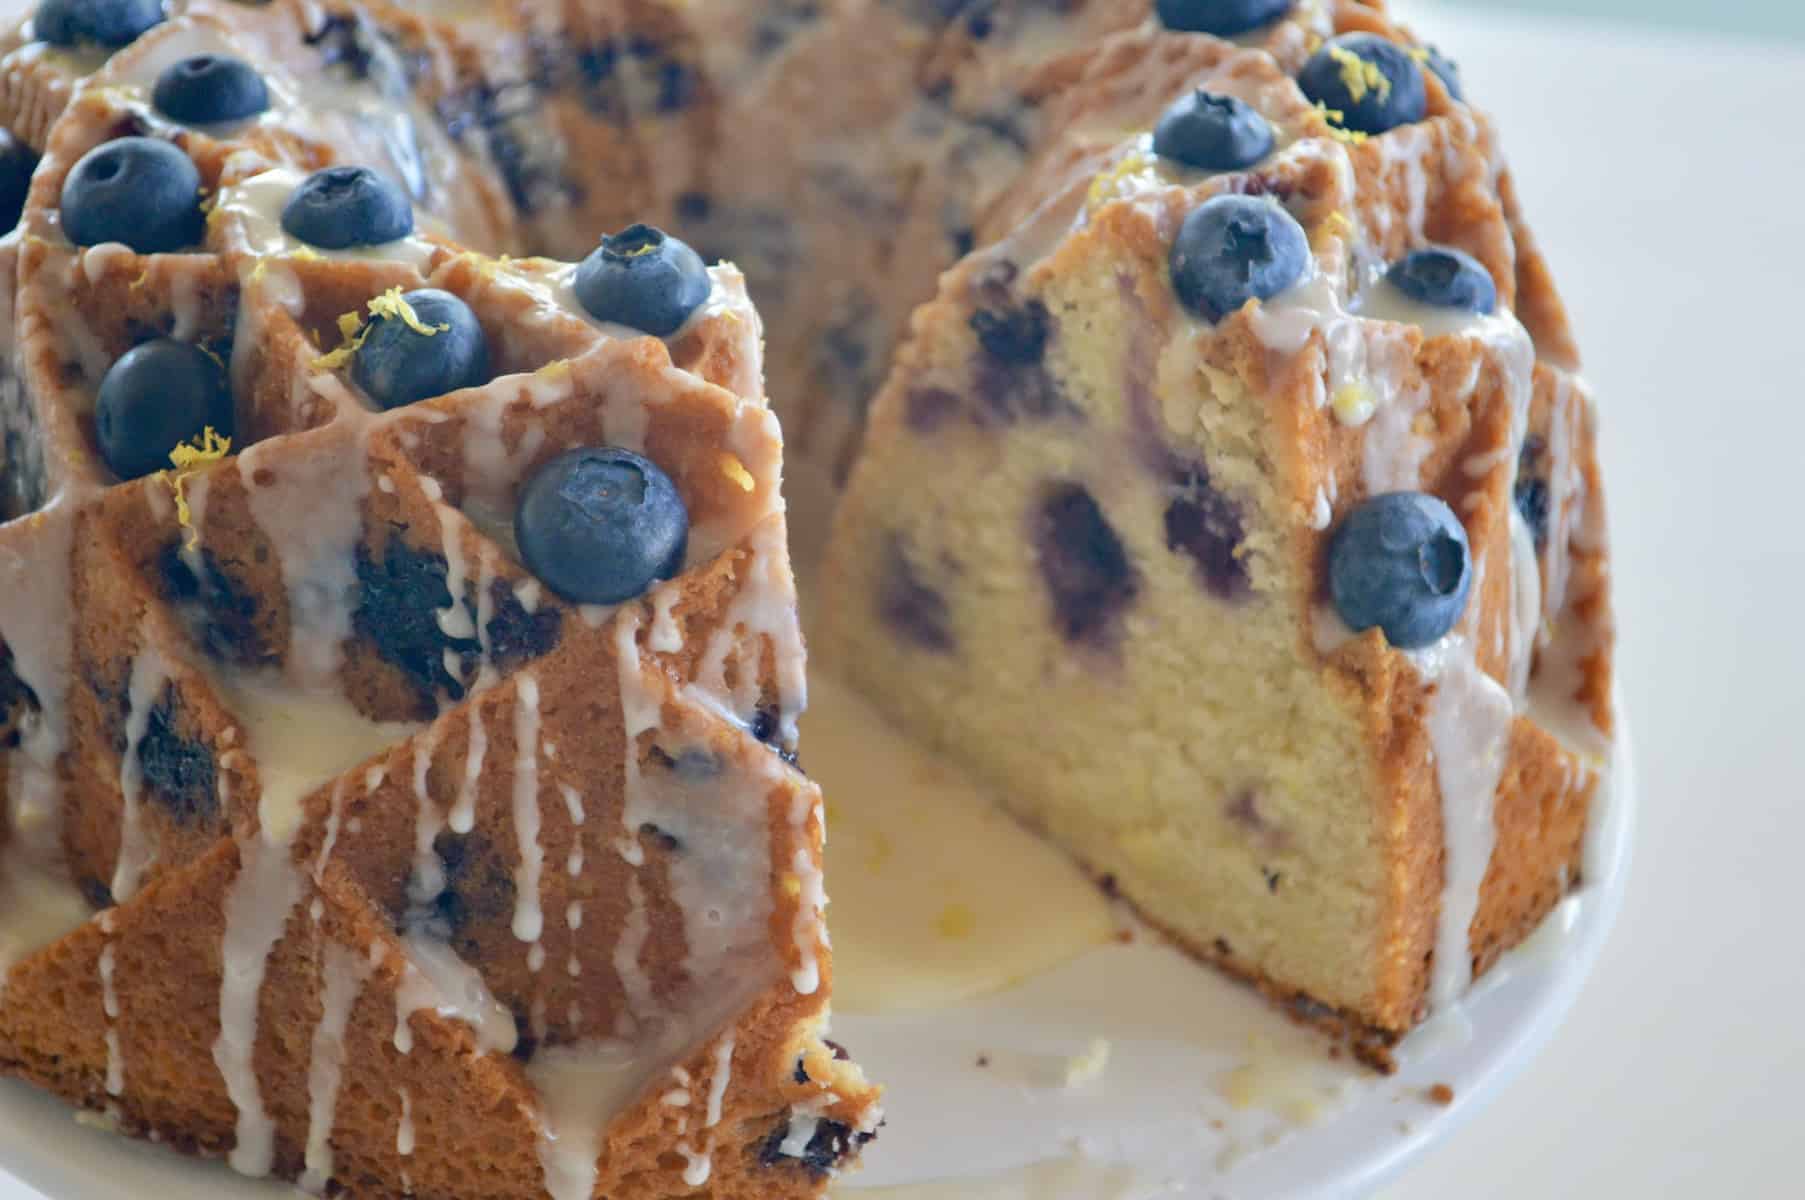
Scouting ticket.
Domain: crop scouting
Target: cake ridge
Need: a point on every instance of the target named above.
(307, 557)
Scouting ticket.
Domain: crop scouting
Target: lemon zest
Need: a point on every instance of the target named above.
(353, 330)
(1334, 117)
(735, 470)
(639, 249)
(1360, 76)
(392, 304)
(1336, 225)
(188, 458)
(1108, 182)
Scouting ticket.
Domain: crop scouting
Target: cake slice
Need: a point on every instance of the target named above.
(375, 813)
(1209, 514)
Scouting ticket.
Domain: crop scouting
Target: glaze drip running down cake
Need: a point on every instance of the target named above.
(401, 675)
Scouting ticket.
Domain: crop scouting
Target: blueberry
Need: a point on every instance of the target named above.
(135, 190)
(108, 22)
(1533, 504)
(156, 397)
(1233, 249)
(643, 278)
(209, 88)
(397, 364)
(400, 598)
(1446, 278)
(1014, 334)
(1212, 133)
(1374, 84)
(600, 525)
(180, 775)
(1084, 564)
(17, 162)
(1446, 70)
(1401, 562)
(1220, 17)
(341, 207)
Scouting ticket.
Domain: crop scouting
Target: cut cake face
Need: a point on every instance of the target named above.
(352, 851)
(1086, 511)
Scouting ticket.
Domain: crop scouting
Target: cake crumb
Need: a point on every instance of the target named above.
(1089, 1066)
(1441, 1094)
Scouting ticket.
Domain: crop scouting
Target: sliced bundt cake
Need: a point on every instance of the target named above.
(1231, 506)
(400, 677)
(1225, 512)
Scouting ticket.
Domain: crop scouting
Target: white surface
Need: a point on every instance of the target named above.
(1662, 176)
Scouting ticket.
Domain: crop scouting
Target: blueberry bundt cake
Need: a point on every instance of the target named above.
(1234, 510)
(401, 671)
(414, 694)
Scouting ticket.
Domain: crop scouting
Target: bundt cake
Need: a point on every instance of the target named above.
(1233, 509)
(401, 681)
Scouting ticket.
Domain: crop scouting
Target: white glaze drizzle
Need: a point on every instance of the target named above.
(345, 973)
(717, 1084)
(257, 906)
(463, 810)
(808, 929)
(435, 979)
(404, 1128)
(310, 508)
(1468, 721)
(763, 612)
(109, 1006)
(137, 849)
(529, 915)
(427, 880)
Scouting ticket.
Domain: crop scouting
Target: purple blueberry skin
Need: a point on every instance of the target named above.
(1403, 100)
(601, 525)
(1401, 563)
(140, 191)
(1443, 277)
(1224, 18)
(1232, 249)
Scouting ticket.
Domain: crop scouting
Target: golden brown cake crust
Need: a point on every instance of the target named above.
(1489, 420)
(575, 778)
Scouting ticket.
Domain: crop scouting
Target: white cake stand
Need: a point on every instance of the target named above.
(1128, 1073)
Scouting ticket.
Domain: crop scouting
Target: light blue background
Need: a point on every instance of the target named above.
(1761, 17)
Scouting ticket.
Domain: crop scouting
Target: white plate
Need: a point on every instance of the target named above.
(1206, 1092)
